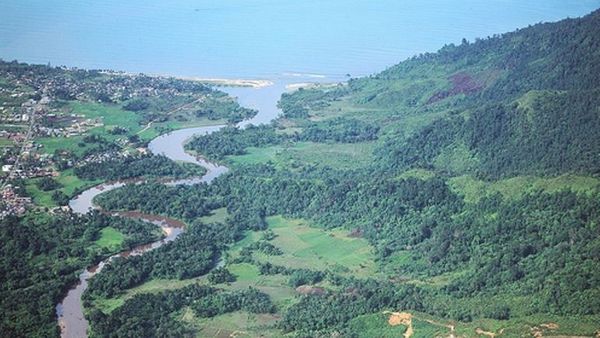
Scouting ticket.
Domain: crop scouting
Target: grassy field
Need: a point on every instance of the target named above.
(106, 305)
(306, 247)
(51, 144)
(303, 246)
(336, 155)
(423, 326)
(312, 248)
(375, 325)
(4, 142)
(69, 184)
(110, 238)
(216, 216)
(156, 128)
(473, 189)
(247, 275)
(426, 326)
(111, 116)
(236, 324)
(545, 325)
(39, 197)
(114, 116)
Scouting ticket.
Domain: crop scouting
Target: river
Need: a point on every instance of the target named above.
(70, 313)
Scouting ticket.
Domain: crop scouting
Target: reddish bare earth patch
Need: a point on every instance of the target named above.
(401, 318)
(480, 331)
(356, 233)
(310, 290)
(462, 83)
(550, 326)
(538, 331)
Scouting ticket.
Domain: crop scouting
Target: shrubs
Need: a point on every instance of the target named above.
(221, 275)
(47, 184)
(136, 105)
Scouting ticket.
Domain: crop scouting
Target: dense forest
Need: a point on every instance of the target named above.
(42, 256)
(131, 167)
(138, 317)
(192, 255)
(233, 141)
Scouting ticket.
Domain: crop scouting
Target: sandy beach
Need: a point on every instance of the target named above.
(254, 83)
(231, 82)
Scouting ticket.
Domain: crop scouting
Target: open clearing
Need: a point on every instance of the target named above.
(106, 305)
(275, 286)
(110, 238)
(335, 155)
(4, 142)
(314, 248)
(473, 189)
(69, 184)
(236, 324)
(216, 216)
(375, 325)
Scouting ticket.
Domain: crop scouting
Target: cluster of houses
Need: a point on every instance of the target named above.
(91, 85)
(15, 136)
(28, 109)
(12, 203)
(37, 165)
(75, 125)
(101, 157)
(23, 113)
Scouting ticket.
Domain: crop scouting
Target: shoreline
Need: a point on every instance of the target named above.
(229, 82)
(253, 83)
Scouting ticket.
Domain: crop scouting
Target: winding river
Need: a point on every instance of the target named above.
(70, 314)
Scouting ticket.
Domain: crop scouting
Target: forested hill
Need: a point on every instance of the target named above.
(525, 102)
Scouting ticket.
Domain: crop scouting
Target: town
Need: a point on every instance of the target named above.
(40, 114)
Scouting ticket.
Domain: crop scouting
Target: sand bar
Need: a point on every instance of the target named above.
(231, 82)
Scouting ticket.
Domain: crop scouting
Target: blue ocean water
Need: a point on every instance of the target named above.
(256, 38)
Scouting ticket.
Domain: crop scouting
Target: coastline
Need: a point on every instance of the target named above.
(230, 82)
(254, 83)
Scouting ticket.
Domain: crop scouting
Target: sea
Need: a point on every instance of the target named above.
(256, 38)
(285, 41)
